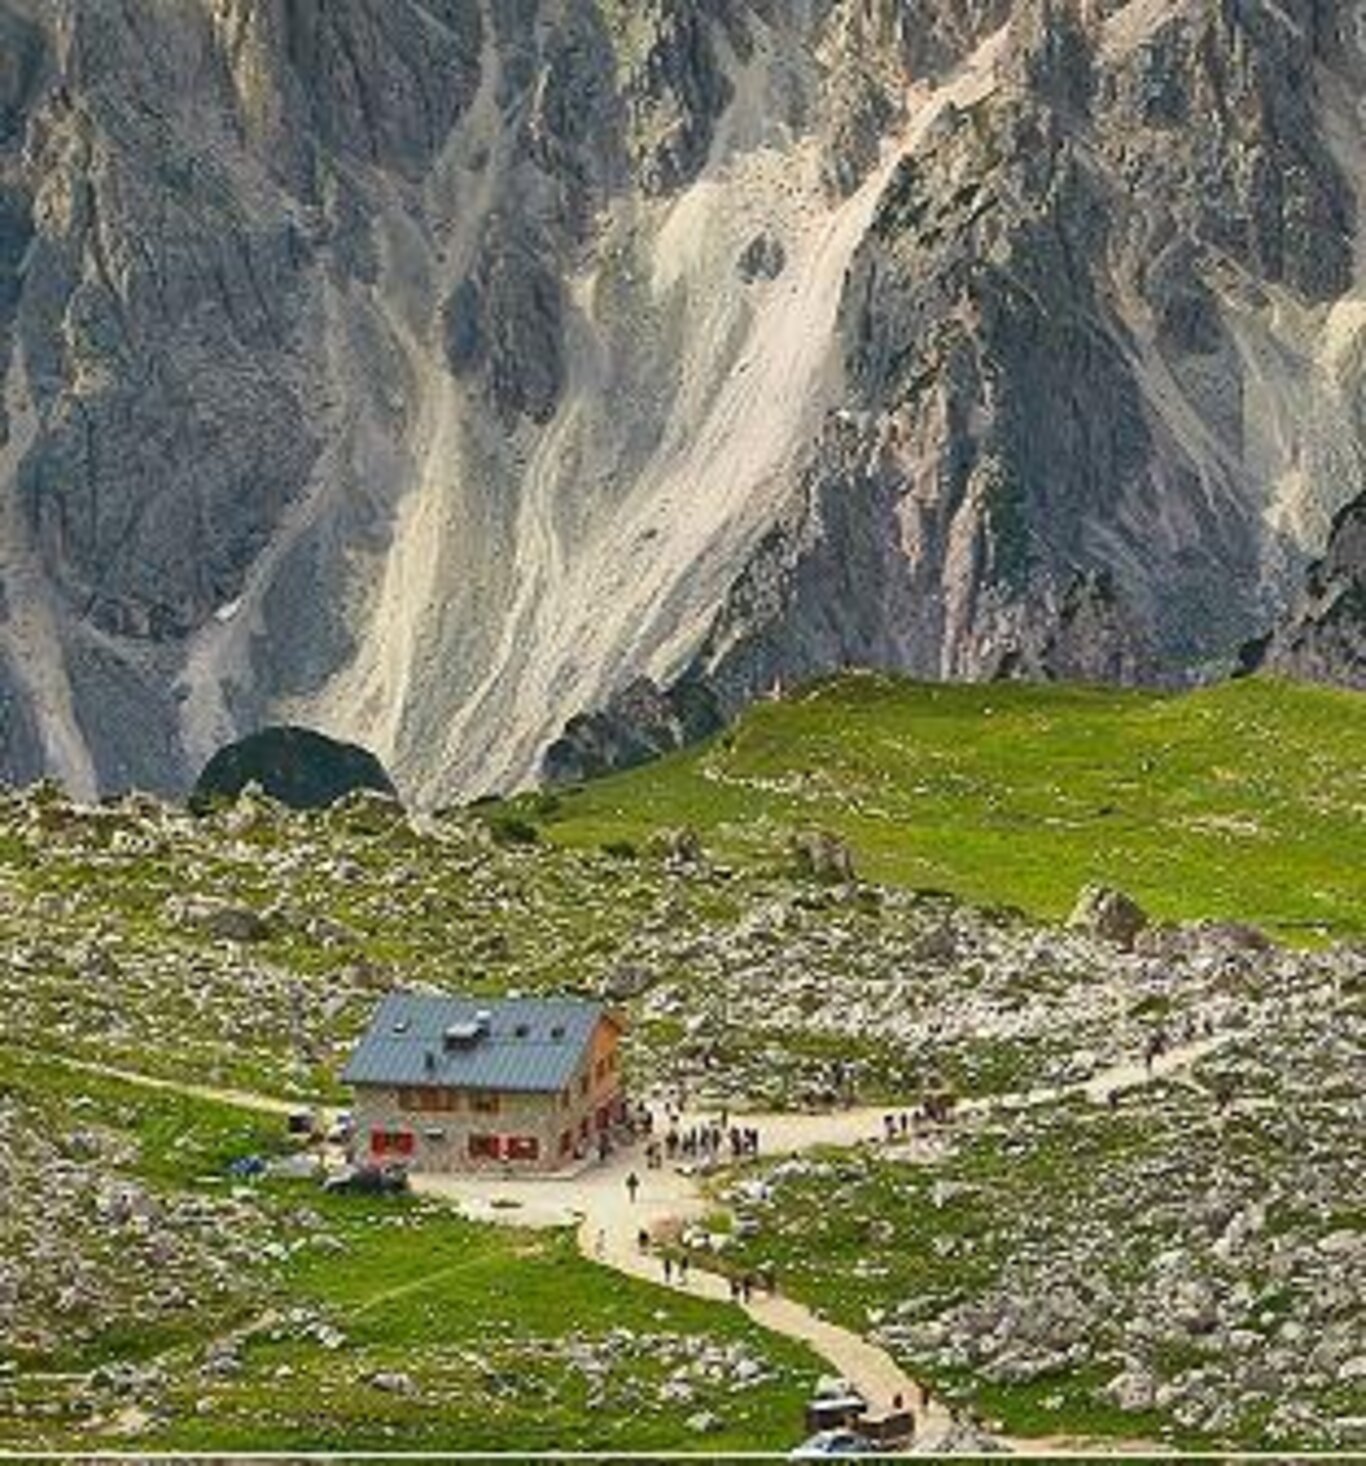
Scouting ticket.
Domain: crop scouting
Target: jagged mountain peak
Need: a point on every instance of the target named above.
(434, 372)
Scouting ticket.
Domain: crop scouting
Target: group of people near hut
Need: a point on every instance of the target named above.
(935, 1109)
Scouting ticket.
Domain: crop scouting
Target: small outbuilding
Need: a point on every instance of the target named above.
(462, 1084)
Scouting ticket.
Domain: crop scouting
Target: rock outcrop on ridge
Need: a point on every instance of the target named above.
(1323, 638)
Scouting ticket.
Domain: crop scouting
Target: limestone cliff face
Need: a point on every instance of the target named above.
(434, 371)
(1102, 349)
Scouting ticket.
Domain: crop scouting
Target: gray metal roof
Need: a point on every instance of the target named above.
(532, 1044)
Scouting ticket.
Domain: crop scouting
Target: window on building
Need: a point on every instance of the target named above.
(428, 1098)
(386, 1141)
(483, 1102)
(522, 1147)
(434, 1135)
(379, 1140)
(566, 1142)
(483, 1147)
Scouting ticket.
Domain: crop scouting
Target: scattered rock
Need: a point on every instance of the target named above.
(1103, 911)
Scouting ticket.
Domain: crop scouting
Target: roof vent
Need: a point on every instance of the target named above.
(462, 1036)
(557, 1032)
(429, 1062)
(400, 1025)
(521, 1030)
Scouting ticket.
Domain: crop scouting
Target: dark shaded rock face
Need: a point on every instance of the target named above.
(430, 369)
(1323, 639)
(638, 724)
(296, 766)
(762, 258)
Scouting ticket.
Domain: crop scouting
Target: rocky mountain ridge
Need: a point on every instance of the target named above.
(433, 372)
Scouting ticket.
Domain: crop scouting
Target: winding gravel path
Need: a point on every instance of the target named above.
(608, 1222)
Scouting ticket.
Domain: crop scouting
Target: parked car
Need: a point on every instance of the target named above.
(827, 1443)
(369, 1180)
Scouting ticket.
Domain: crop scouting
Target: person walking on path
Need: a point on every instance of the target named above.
(632, 1185)
(683, 1270)
(600, 1244)
(668, 1268)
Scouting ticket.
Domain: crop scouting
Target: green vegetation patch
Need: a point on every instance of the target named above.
(1245, 801)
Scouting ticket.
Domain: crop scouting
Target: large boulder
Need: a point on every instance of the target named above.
(1103, 911)
(823, 855)
(296, 766)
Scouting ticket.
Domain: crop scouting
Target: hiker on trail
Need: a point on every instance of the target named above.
(904, 1123)
(889, 1126)
(632, 1185)
(643, 1239)
(600, 1244)
(747, 1287)
(683, 1270)
(668, 1268)
(735, 1290)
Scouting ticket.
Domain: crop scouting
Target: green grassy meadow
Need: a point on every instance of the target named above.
(507, 1336)
(1245, 801)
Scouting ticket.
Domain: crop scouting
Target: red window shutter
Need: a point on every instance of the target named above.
(379, 1140)
(403, 1142)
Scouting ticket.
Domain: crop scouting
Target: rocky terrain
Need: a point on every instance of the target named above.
(150, 1298)
(432, 372)
(1184, 1264)
(1323, 633)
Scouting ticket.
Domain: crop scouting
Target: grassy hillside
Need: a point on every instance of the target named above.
(164, 1305)
(1246, 800)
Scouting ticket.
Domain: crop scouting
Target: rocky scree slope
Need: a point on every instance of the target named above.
(429, 372)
